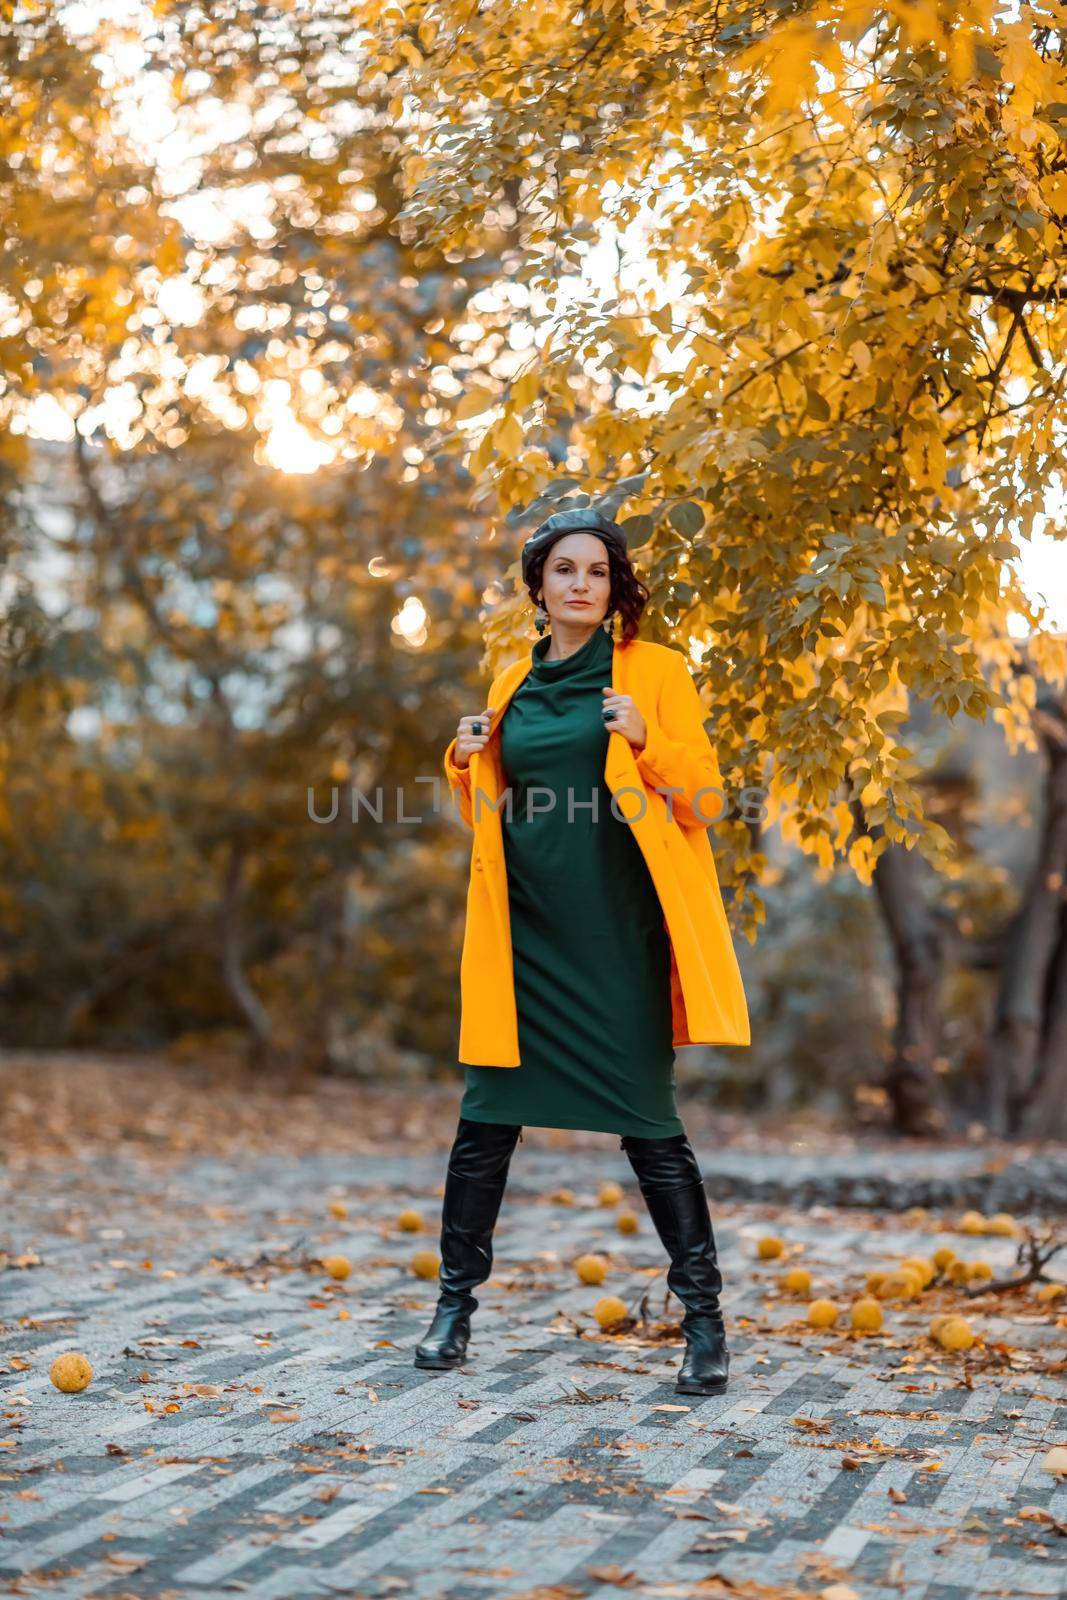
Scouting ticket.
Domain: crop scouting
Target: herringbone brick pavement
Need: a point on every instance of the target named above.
(254, 1428)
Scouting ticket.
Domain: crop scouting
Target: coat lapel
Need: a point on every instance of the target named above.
(619, 762)
(620, 771)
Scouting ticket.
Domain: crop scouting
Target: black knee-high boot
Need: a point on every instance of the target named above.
(474, 1187)
(673, 1190)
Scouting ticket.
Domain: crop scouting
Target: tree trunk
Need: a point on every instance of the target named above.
(918, 937)
(261, 1050)
(1046, 1115)
(315, 1054)
(1028, 1053)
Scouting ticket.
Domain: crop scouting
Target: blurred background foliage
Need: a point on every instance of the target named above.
(307, 310)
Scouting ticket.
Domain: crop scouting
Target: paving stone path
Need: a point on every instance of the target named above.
(253, 1428)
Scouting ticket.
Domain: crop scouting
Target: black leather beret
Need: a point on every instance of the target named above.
(578, 519)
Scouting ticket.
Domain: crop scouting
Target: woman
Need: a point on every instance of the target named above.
(595, 941)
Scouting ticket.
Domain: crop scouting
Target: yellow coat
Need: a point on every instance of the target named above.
(707, 996)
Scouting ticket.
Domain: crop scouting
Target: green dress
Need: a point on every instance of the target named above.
(591, 952)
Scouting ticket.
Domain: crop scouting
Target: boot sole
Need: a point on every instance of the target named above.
(439, 1363)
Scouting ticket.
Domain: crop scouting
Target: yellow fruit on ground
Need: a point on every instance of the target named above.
(876, 1279)
(610, 1194)
(425, 1263)
(971, 1222)
(626, 1222)
(1049, 1291)
(916, 1214)
(938, 1322)
(337, 1266)
(1003, 1223)
(770, 1247)
(608, 1310)
(591, 1268)
(71, 1373)
(979, 1270)
(338, 1209)
(409, 1221)
(797, 1281)
(899, 1286)
(955, 1334)
(866, 1315)
(564, 1197)
(958, 1271)
(925, 1268)
(823, 1313)
(943, 1257)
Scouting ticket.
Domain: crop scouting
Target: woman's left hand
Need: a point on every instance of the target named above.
(627, 719)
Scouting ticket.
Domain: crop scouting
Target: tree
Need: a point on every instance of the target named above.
(842, 345)
(1027, 1061)
(823, 388)
(843, 350)
(187, 359)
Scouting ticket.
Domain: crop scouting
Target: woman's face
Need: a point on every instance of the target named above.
(576, 569)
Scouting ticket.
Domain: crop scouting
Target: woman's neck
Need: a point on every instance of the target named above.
(567, 640)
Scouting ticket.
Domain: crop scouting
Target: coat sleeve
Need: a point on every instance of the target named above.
(459, 778)
(459, 782)
(678, 753)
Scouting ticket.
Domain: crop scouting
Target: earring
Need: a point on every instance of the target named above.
(541, 622)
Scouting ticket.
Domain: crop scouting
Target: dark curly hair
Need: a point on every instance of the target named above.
(628, 595)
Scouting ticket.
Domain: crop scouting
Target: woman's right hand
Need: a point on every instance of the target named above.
(467, 741)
